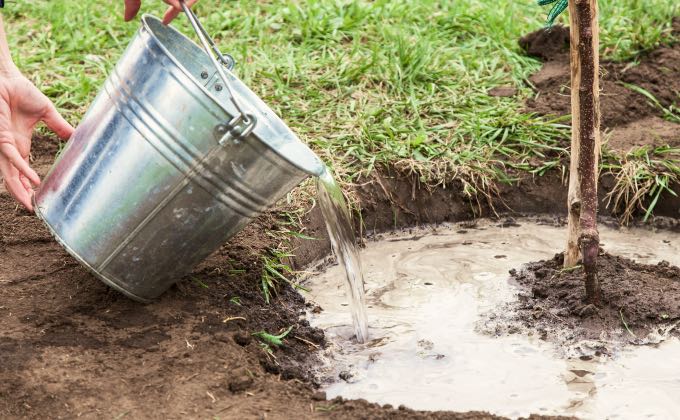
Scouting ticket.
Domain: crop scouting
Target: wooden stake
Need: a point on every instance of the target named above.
(585, 142)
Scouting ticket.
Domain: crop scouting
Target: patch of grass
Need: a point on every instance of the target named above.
(645, 173)
(363, 81)
(401, 83)
(289, 224)
(268, 340)
(631, 26)
(641, 177)
(287, 227)
(274, 271)
(271, 274)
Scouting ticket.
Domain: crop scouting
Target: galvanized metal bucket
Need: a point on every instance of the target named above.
(174, 156)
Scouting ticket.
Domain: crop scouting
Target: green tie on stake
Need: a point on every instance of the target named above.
(559, 7)
(583, 241)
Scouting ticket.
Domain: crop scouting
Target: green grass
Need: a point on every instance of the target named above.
(268, 340)
(275, 265)
(641, 177)
(274, 340)
(643, 174)
(274, 271)
(386, 82)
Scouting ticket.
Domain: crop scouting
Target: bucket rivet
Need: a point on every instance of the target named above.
(204, 74)
(221, 130)
(218, 87)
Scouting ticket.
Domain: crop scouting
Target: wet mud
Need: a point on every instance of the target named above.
(436, 296)
(640, 303)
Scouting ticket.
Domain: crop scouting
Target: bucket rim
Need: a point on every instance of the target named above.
(313, 166)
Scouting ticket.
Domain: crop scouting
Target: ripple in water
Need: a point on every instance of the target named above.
(425, 293)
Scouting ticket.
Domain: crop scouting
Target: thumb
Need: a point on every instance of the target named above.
(131, 9)
(57, 123)
(175, 9)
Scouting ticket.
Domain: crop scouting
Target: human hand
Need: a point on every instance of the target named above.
(132, 7)
(22, 106)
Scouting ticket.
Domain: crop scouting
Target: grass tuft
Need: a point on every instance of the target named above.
(641, 177)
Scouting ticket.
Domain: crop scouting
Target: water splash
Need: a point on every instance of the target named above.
(338, 223)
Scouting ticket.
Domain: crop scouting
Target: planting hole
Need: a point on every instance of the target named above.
(427, 352)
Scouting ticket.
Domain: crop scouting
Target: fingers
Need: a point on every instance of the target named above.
(131, 9)
(25, 182)
(17, 175)
(16, 188)
(14, 157)
(57, 123)
(175, 9)
(170, 14)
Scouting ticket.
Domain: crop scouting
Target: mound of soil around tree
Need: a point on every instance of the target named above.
(629, 120)
(640, 305)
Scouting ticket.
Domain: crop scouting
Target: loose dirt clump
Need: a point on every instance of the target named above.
(629, 120)
(640, 305)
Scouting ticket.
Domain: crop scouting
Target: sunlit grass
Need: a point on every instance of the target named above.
(386, 82)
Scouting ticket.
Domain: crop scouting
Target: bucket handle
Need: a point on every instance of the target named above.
(246, 121)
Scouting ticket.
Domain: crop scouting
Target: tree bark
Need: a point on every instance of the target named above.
(585, 143)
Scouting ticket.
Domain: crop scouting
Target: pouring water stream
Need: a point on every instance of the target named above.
(343, 241)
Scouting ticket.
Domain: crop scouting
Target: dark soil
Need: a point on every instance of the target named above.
(628, 119)
(72, 347)
(641, 304)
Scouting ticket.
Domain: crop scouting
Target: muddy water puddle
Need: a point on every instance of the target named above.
(426, 290)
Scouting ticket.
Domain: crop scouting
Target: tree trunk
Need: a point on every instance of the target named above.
(585, 142)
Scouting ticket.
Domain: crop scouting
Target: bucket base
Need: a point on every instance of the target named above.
(74, 254)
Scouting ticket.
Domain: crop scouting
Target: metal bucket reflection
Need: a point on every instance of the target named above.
(166, 166)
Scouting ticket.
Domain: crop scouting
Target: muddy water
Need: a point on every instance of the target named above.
(425, 292)
(343, 241)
